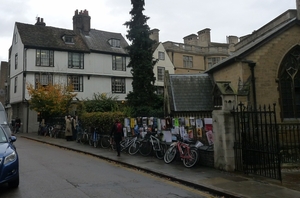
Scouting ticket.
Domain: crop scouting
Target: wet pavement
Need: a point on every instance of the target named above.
(221, 183)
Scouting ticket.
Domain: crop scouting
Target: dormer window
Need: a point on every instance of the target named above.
(114, 42)
(68, 39)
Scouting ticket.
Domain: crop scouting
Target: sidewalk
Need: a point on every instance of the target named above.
(214, 181)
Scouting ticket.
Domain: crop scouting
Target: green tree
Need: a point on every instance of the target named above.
(142, 97)
(101, 103)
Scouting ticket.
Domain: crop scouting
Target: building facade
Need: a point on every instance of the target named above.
(198, 53)
(92, 61)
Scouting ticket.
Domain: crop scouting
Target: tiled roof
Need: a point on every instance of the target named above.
(37, 36)
(97, 40)
(191, 92)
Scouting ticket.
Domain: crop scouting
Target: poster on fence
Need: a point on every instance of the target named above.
(167, 136)
(208, 124)
(210, 137)
(199, 126)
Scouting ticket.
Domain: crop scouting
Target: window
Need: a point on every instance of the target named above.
(161, 55)
(118, 85)
(160, 73)
(68, 39)
(44, 58)
(16, 83)
(77, 82)
(289, 84)
(75, 60)
(212, 61)
(114, 42)
(16, 61)
(188, 61)
(43, 79)
(119, 63)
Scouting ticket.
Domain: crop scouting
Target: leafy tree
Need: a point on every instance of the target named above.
(50, 100)
(141, 61)
(101, 103)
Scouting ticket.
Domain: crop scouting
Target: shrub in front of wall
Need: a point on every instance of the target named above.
(102, 120)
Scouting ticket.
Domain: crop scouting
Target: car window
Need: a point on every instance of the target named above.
(3, 137)
(3, 117)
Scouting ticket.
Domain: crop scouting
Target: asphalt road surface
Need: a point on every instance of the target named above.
(50, 171)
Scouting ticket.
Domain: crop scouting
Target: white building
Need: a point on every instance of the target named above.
(93, 61)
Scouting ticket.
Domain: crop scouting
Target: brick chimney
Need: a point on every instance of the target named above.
(82, 22)
(40, 22)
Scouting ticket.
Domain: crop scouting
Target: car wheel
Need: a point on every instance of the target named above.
(14, 183)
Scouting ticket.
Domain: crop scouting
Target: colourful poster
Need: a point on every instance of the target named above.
(176, 122)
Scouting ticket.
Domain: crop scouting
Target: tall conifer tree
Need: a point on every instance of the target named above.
(143, 96)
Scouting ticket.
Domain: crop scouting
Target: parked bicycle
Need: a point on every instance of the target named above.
(188, 152)
(151, 143)
(131, 144)
(94, 138)
(82, 136)
(56, 131)
(105, 141)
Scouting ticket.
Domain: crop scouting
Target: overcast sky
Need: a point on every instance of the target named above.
(174, 18)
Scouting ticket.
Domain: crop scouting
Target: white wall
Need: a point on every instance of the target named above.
(97, 73)
(167, 64)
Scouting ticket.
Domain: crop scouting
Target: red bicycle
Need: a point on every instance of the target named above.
(187, 151)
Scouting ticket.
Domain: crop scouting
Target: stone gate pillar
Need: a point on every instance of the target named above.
(223, 125)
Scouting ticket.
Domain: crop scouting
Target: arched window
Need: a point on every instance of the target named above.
(289, 84)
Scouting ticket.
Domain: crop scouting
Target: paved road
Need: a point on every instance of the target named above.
(50, 171)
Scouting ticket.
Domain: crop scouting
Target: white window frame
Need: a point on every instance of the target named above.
(160, 73)
(161, 55)
(114, 42)
(76, 81)
(118, 85)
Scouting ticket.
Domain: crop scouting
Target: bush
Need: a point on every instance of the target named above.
(102, 120)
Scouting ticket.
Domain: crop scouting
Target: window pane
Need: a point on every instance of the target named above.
(160, 73)
(75, 60)
(161, 55)
(118, 63)
(76, 82)
(118, 85)
(188, 61)
(45, 58)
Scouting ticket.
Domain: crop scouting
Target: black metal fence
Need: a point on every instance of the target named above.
(289, 141)
(256, 141)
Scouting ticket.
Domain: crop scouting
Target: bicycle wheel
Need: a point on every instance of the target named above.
(84, 138)
(145, 148)
(160, 153)
(105, 142)
(170, 154)
(91, 140)
(95, 143)
(190, 162)
(134, 148)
